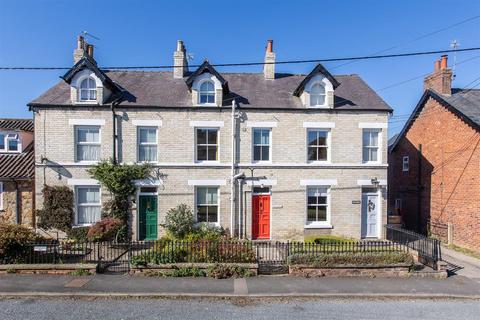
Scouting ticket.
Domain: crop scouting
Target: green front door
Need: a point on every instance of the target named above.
(147, 219)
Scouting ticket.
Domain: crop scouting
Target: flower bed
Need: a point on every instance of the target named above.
(214, 270)
(393, 264)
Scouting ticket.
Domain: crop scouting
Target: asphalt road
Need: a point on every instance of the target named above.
(66, 309)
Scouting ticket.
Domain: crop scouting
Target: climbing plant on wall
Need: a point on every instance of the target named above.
(57, 211)
(119, 181)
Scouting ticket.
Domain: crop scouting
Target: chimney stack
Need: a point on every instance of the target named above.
(79, 52)
(180, 61)
(269, 66)
(441, 79)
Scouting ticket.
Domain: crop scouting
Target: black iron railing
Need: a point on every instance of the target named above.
(427, 248)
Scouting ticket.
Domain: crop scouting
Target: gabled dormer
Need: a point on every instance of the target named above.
(317, 89)
(88, 84)
(207, 86)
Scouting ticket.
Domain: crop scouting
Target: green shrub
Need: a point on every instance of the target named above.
(179, 221)
(187, 272)
(15, 242)
(80, 272)
(79, 234)
(223, 271)
(57, 211)
(360, 259)
(326, 239)
(104, 230)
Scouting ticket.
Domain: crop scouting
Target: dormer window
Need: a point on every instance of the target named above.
(88, 90)
(207, 93)
(10, 142)
(317, 95)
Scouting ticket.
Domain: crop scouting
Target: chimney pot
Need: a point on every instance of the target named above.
(80, 42)
(443, 63)
(180, 46)
(437, 65)
(269, 66)
(90, 50)
(270, 46)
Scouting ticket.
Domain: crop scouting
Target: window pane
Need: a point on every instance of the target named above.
(88, 195)
(12, 145)
(84, 84)
(91, 83)
(88, 153)
(201, 214)
(322, 154)
(366, 138)
(257, 152)
(201, 136)
(207, 86)
(148, 135)
(265, 153)
(2, 141)
(322, 213)
(202, 153)
(366, 156)
(212, 136)
(210, 98)
(93, 94)
(311, 200)
(312, 154)
(322, 138)
(212, 195)
(318, 89)
(212, 214)
(83, 94)
(322, 200)
(147, 153)
(373, 138)
(257, 136)
(201, 195)
(88, 135)
(311, 213)
(312, 137)
(265, 136)
(203, 98)
(88, 215)
(212, 153)
(373, 154)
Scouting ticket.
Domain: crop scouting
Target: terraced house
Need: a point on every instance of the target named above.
(264, 155)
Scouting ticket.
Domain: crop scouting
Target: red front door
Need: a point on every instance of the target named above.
(261, 217)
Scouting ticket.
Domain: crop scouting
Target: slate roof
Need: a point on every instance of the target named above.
(18, 165)
(250, 90)
(17, 124)
(465, 103)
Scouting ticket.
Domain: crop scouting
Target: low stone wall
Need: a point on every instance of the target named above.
(46, 268)
(253, 267)
(398, 270)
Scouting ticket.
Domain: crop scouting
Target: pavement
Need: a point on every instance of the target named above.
(108, 285)
(467, 266)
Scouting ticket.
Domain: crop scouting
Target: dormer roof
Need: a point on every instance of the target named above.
(319, 69)
(204, 68)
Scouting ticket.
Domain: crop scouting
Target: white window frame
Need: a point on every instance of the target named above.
(208, 92)
(329, 145)
(318, 224)
(89, 90)
(207, 144)
(99, 204)
(379, 148)
(406, 163)
(1, 195)
(99, 143)
(318, 83)
(195, 204)
(6, 139)
(139, 128)
(269, 145)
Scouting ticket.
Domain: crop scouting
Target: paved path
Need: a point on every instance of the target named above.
(470, 266)
(200, 309)
(120, 285)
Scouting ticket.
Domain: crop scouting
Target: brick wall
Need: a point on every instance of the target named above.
(450, 179)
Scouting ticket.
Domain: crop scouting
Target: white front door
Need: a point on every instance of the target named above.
(369, 215)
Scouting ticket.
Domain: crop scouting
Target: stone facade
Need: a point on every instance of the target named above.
(176, 161)
(26, 207)
(442, 185)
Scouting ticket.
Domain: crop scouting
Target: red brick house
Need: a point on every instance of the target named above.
(434, 163)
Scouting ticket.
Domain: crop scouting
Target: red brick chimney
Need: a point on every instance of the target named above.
(441, 79)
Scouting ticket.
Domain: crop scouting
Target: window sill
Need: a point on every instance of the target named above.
(208, 162)
(318, 226)
(313, 163)
(318, 107)
(87, 162)
(82, 225)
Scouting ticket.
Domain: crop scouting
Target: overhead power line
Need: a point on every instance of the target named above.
(398, 55)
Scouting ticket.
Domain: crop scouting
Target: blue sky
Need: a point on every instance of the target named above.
(43, 33)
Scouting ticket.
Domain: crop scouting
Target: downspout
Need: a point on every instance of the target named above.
(232, 184)
(419, 188)
(114, 134)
